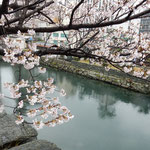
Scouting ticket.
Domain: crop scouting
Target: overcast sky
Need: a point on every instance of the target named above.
(1, 1)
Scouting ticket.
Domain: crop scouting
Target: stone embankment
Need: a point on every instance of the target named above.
(99, 73)
(20, 137)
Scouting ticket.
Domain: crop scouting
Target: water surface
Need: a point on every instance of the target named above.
(106, 117)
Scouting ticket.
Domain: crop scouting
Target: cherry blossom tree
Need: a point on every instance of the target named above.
(47, 109)
(93, 33)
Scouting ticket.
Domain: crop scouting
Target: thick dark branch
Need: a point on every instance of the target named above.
(73, 52)
(4, 7)
(57, 51)
(2, 52)
(73, 11)
(5, 18)
(14, 30)
(140, 4)
(66, 52)
(23, 13)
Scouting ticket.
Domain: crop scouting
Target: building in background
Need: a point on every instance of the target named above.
(41, 36)
(145, 24)
(59, 38)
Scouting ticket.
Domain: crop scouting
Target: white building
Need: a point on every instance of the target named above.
(59, 38)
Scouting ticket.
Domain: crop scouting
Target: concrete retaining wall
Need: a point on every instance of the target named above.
(95, 72)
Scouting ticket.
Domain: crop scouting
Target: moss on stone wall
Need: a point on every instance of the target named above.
(99, 73)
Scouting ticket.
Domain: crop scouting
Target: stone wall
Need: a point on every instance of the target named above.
(20, 137)
(95, 72)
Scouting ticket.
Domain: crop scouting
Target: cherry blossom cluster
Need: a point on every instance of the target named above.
(45, 108)
(93, 11)
(17, 53)
(49, 109)
(125, 49)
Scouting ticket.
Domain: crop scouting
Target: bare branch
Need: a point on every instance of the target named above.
(30, 13)
(18, 8)
(11, 30)
(73, 11)
(88, 40)
(51, 21)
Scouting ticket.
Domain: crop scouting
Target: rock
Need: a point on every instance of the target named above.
(20, 137)
(11, 132)
(36, 145)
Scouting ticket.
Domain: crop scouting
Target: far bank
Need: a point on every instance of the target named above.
(99, 73)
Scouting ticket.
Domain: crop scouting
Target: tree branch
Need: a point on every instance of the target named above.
(30, 13)
(4, 7)
(14, 30)
(88, 40)
(43, 14)
(73, 11)
(17, 7)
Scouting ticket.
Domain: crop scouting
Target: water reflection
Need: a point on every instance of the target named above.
(106, 95)
(106, 117)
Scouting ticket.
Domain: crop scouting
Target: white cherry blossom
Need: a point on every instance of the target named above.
(38, 124)
(19, 120)
(32, 113)
(41, 70)
(20, 104)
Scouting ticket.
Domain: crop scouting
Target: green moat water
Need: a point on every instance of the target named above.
(106, 117)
